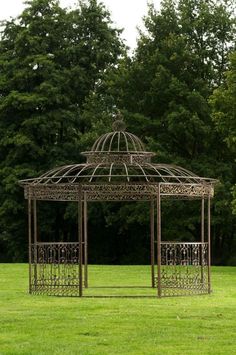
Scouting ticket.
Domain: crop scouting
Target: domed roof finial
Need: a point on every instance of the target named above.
(119, 124)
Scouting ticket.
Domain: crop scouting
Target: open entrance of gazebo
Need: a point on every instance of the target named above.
(119, 169)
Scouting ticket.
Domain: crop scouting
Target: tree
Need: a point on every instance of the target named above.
(208, 27)
(163, 92)
(223, 102)
(50, 59)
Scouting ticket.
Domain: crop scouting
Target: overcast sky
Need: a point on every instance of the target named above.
(126, 14)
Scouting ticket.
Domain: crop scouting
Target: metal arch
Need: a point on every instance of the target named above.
(110, 171)
(73, 167)
(52, 171)
(139, 142)
(60, 178)
(65, 167)
(105, 140)
(132, 140)
(98, 142)
(47, 176)
(110, 145)
(187, 174)
(126, 141)
(173, 168)
(204, 180)
(126, 170)
(106, 175)
(50, 177)
(93, 174)
(144, 173)
(47, 180)
(118, 141)
(80, 171)
(186, 177)
(155, 169)
(167, 169)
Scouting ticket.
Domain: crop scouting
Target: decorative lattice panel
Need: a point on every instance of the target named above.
(184, 268)
(55, 269)
(116, 192)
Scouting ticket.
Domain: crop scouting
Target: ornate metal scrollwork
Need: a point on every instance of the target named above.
(55, 269)
(183, 268)
(118, 168)
(116, 192)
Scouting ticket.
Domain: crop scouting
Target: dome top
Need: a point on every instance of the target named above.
(118, 141)
(118, 146)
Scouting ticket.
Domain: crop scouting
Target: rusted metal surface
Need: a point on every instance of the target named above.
(85, 241)
(117, 192)
(159, 281)
(209, 242)
(181, 268)
(152, 239)
(30, 242)
(80, 237)
(118, 168)
(57, 268)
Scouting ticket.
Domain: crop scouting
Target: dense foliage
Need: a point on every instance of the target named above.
(62, 76)
(224, 111)
(50, 60)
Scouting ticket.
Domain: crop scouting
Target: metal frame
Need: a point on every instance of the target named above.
(118, 169)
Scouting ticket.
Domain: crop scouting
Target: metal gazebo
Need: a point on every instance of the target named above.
(118, 168)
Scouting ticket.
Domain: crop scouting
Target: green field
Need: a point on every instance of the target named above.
(56, 325)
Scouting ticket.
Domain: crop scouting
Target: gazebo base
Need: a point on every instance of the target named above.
(55, 270)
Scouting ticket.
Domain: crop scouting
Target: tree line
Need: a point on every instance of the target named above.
(63, 75)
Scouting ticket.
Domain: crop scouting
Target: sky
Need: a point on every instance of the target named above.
(126, 14)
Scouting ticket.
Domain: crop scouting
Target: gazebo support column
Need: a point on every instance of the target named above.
(159, 242)
(209, 242)
(152, 226)
(35, 242)
(85, 241)
(30, 239)
(80, 237)
(202, 237)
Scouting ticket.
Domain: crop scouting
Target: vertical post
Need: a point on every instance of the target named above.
(85, 242)
(35, 242)
(80, 237)
(159, 241)
(202, 221)
(202, 237)
(209, 242)
(29, 237)
(152, 242)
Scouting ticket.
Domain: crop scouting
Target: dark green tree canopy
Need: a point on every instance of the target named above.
(164, 91)
(50, 60)
(223, 102)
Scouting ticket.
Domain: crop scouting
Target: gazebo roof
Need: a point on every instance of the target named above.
(121, 172)
(120, 158)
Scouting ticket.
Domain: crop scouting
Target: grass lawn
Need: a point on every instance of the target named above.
(55, 325)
